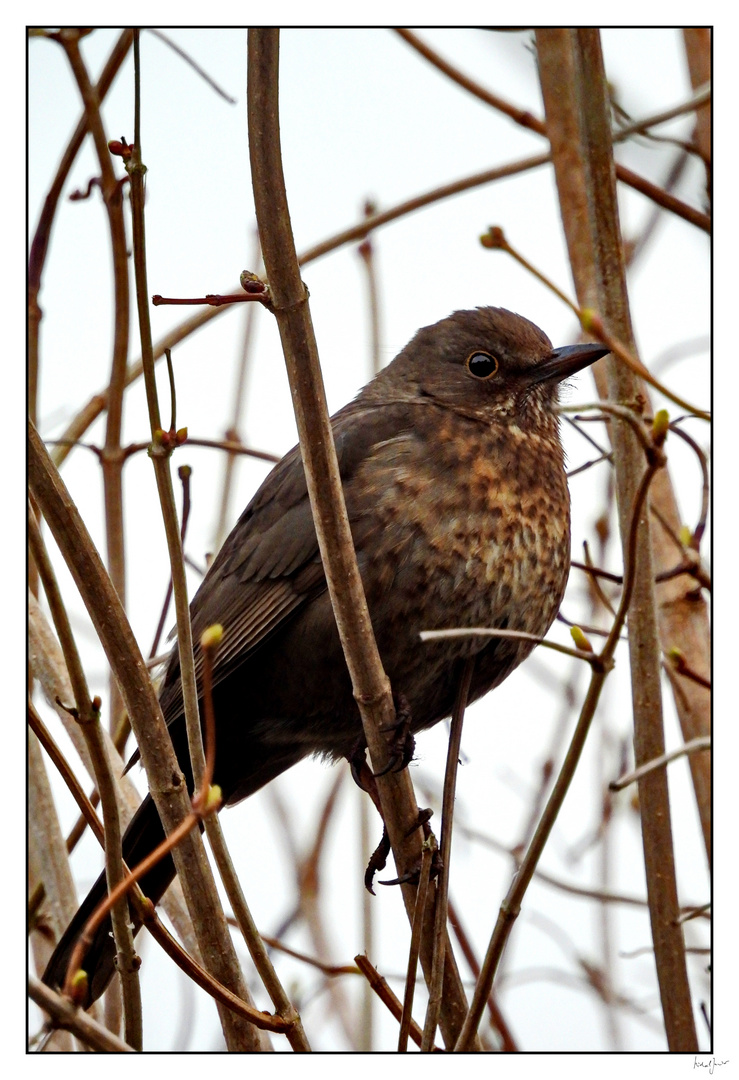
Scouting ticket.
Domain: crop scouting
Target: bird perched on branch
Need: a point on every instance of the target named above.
(453, 475)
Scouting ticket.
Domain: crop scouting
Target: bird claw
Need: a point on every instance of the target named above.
(413, 875)
(402, 745)
(424, 816)
(378, 861)
(358, 764)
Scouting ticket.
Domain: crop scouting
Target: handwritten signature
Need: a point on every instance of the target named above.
(710, 1064)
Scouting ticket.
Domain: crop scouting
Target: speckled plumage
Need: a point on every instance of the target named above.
(455, 488)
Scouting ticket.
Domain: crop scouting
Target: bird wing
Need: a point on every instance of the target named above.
(270, 565)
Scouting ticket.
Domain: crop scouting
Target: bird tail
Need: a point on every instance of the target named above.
(143, 834)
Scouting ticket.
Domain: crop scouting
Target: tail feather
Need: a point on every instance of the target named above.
(243, 766)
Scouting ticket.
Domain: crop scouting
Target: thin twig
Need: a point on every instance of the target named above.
(427, 854)
(508, 1043)
(598, 591)
(193, 64)
(256, 944)
(701, 743)
(700, 528)
(442, 881)
(601, 895)
(308, 884)
(205, 980)
(46, 739)
(367, 255)
(681, 666)
(514, 635)
(695, 913)
(237, 408)
(594, 325)
(386, 995)
(210, 923)
(40, 243)
(70, 1017)
(591, 322)
(112, 462)
(185, 480)
(528, 120)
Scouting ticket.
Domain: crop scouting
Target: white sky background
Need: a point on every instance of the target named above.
(363, 116)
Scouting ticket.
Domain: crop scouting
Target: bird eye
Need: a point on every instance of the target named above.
(482, 365)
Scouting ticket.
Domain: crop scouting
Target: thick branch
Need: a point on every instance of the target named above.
(578, 124)
(370, 683)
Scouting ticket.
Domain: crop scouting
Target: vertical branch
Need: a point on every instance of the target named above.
(698, 54)
(445, 851)
(112, 459)
(578, 120)
(239, 395)
(200, 891)
(370, 683)
(367, 1013)
(366, 253)
(683, 615)
(406, 1019)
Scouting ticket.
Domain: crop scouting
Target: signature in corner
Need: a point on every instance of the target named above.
(711, 1064)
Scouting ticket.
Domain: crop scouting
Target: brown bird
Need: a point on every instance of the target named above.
(453, 475)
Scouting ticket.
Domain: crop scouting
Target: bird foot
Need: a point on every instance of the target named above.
(401, 745)
(413, 875)
(378, 860)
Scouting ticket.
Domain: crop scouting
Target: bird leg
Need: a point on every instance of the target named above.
(364, 778)
(362, 775)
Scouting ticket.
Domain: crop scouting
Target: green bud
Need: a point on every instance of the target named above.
(215, 797)
(580, 639)
(212, 636)
(660, 426)
(79, 986)
(587, 318)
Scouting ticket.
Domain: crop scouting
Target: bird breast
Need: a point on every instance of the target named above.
(471, 524)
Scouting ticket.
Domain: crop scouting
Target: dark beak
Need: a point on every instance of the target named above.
(561, 363)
